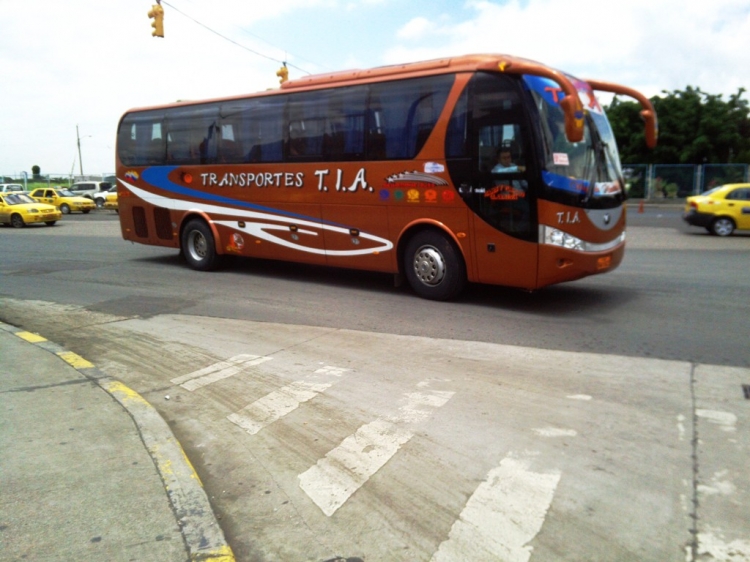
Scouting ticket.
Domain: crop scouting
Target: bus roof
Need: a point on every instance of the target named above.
(436, 66)
(465, 63)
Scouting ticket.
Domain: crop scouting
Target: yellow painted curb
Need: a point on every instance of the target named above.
(31, 338)
(75, 360)
(223, 554)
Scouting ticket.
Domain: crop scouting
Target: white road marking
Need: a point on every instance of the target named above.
(579, 397)
(681, 427)
(555, 432)
(273, 406)
(714, 546)
(726, 420)
(503, 515)
(218, 371)
(332, 481)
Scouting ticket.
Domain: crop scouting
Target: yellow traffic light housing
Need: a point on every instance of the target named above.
(157, 14)
(283, 74)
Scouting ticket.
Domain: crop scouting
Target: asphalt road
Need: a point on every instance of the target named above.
(332, 415)
(679, 294)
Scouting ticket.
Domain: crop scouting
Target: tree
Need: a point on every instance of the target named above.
(694, 128)
(35, 170)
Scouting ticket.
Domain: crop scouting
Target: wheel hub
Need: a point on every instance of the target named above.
(429, 266)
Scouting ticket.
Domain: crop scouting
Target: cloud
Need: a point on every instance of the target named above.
(649, 45)
(416, 29)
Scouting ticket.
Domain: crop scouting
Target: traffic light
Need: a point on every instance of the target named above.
(283, 74)
(157, 14)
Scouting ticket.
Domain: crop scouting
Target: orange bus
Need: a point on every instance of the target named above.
(482, 168)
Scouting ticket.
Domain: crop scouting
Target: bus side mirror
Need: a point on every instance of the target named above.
(647, 112)
(573, 111)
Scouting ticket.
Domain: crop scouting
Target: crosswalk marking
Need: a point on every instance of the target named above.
(332, 481)
(218, 371)
(503, 515)
(273, 406)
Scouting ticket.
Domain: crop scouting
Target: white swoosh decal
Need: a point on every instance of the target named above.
(259, 229)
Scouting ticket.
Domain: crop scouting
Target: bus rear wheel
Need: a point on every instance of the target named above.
(198, 246)
(434, 266)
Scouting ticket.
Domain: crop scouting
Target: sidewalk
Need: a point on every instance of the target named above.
(88, 469)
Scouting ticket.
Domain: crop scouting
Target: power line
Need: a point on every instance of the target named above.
(233, 41)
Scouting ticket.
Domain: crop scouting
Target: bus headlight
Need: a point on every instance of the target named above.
(556, 237)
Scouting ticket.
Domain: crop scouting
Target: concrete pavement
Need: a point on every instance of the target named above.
(88, 469)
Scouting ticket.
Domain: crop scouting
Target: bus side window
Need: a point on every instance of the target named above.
(375, 136)
(139, 139)
(228, 150)
(306, 125)
(191, 134)
(256, 129)
(406, 112)
(344, 137)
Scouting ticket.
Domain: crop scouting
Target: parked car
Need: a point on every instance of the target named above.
(103, 196)
(89, 189)
(720, 210)
(18, 210)
(63, 199)
(11, 187)
(111, 200)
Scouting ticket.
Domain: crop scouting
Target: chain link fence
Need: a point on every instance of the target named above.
(674, 181)
(52, 180)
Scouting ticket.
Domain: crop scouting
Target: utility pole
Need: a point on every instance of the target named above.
(80, 161)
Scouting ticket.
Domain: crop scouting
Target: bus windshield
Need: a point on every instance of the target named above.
(587, 173)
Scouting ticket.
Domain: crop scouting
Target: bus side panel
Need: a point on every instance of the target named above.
(145, 223)
(502, 259)
(295, 234)
(359, 238)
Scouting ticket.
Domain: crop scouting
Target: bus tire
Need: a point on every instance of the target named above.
(198, 246)
(434, 266)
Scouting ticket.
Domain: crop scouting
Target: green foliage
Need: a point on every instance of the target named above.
(694, 128)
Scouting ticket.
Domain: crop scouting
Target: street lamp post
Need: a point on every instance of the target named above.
(80, 160)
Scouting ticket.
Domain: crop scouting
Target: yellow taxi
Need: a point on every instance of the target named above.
(720, 210)
(63, 199)
(18, 210)
(110, 201)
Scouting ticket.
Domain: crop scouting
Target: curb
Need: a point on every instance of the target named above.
(200, 530)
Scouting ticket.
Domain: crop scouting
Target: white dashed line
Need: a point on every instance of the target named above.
(218, 371)
(281, 402)
(332, 481)
(503, 515)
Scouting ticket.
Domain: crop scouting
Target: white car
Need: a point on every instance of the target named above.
(11, 187)
(90, 189)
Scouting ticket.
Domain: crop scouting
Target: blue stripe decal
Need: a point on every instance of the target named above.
(158, 176)
(556, 181)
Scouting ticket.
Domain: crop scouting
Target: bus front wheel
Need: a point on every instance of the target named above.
(434, 266)
(199, 246)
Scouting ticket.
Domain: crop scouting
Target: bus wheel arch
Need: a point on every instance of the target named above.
(432, 263)
(198, 243)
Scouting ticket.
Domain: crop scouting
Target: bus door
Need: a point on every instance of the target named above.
(488, 151)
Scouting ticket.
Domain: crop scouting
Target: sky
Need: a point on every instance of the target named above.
(69, 70)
